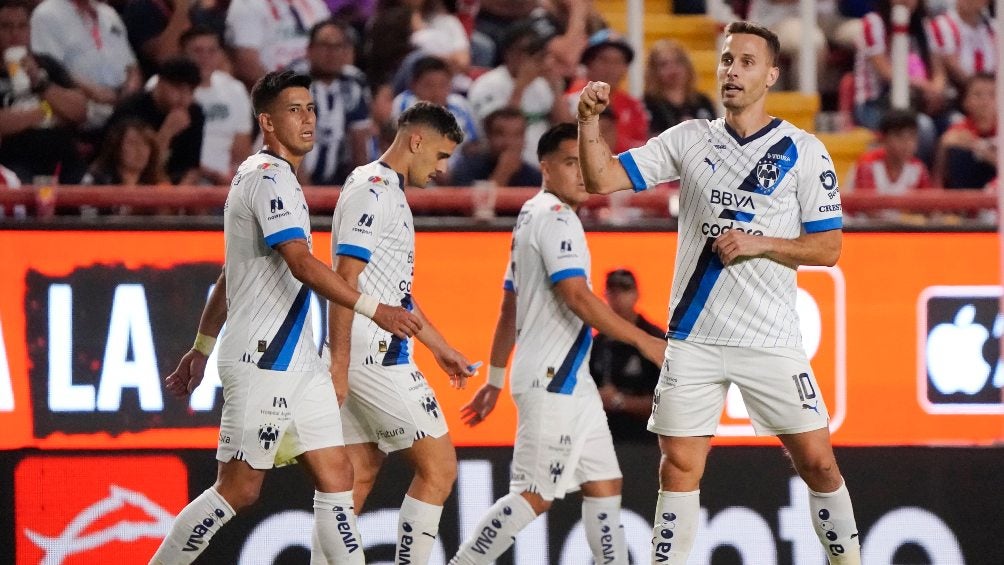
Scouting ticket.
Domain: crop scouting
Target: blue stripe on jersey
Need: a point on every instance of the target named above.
(828, 224)
(398, 351)
(728, 214)
(280, 350)
(770, 170)
(508, 285)
(633, 173)
(566, 377)
(353, 251)
(567, 274)
(285, 235)
(695, 295)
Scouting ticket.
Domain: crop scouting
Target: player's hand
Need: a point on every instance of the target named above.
(480, 406)
(454, 364)
(594, 98)
(397, 321)
(734, 245)
(653, 349)
(188, 375)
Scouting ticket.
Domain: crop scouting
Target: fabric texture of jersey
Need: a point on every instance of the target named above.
(552, 343)
(373, 223)
(778, 182)
(267, 308)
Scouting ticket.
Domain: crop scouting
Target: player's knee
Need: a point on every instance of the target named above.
(239, 495)
(537, 502)
(819, 471)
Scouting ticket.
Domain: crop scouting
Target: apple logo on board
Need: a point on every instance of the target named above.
(955, 360)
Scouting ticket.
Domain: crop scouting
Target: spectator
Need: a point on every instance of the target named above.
(607, 59)
(170, 109)
(783, 18)
(873, 72)
(625, 378)
(89, 38)
(574, 22)
(967, 156)
(130, 156)
(502, 160)
(388, 41)
(892, 168)
(155, 28)
(527, 81)
(341, 99)
(964, 36)
(431, 82)
(225, 103)
(40, 106)
(269, 35)
(439, 33)
(671, 94)
(495, 18)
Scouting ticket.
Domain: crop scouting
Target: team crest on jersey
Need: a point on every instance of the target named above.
(556, 207)
(379, 180)
(268, 436)
(265, 166)
(767, 173)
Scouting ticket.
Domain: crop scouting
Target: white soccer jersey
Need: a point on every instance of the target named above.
(975, 46)
(777, 182)
(278, 29)
(552, 343)
(267, 308)
(373, 222)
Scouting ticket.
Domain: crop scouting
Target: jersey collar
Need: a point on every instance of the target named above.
(744, 140)
(400, 177)
(271, 154)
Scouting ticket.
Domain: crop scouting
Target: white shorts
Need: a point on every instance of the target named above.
(777, 386)
(262, 407)
(391, 406)
(562, 441)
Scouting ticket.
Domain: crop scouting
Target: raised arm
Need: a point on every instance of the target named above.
(602, 172)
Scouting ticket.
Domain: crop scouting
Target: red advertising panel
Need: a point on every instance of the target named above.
(91, 322)
(79, 510)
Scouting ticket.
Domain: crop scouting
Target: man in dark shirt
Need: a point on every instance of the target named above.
(171, 110)
(501, 159)
(625, 378)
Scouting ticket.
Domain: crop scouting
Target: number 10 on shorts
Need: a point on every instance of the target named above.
(822, 318)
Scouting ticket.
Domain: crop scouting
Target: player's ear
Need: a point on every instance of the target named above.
(265, 122)
(772, 75)
(415, 141)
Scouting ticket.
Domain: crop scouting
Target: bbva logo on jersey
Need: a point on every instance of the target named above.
(821, 306)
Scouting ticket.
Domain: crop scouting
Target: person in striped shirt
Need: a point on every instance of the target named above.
(758, 198)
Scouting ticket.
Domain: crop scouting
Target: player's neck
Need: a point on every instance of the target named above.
(397, 157)
(281, 152)
(571, 205)
(747, 121)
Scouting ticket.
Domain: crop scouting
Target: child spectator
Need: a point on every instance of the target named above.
(892, 168)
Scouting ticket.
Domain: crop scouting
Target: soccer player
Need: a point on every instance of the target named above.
(273, 379)
(388, 405)
(563, 442)
(758, 197)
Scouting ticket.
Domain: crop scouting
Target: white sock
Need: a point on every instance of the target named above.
(833, 520)
(193, 528)
(604, 532)
(675, 528)
(417, 527)
(335, 538)
(496, 532)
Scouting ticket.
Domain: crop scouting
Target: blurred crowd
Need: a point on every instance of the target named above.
(156, 92)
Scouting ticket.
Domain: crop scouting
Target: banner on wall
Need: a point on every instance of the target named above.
(91, 323)
(75, 509)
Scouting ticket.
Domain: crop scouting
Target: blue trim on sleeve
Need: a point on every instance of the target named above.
(637, 181)
(356, 251)
(508, 285)
(567, 274)
(824, 225)
(285, 235)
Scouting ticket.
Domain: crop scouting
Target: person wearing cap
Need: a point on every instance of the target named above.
(606, 59)
(170, 109)
(626, 379)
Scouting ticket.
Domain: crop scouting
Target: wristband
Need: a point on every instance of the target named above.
(496, 376)
(204, 344)
(366, 305)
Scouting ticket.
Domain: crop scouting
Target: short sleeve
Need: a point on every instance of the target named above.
(818, 191)
(271, 203)
(509, 281)
(655, 162)
(562, 245)
(873, 35)
(360, 216)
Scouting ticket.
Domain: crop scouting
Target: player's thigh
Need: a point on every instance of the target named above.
(392, 407)
(779, 389)
(690, 395)
(544, 443)
(258, 407)
(433, 457)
